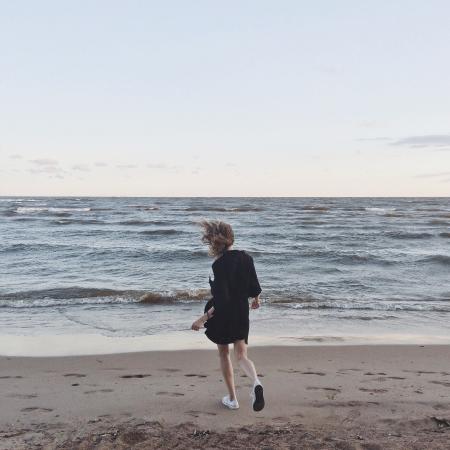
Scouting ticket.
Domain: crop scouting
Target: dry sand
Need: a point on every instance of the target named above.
(345, 397)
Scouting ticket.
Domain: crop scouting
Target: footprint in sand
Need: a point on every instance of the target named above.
(374, 391)
(331, 392)
(138, 375)
(93, 391)
(194, 413)
(320, 374)
(311, 388)
(440, 407)
(195, 375)
(75, 375)
(442, 383)
(5, 377)
(170, 370)
(374, 373)
(379, 379)
(420, 372)
(36, 408)
(22, 396)
(170, 394)
(307, 372)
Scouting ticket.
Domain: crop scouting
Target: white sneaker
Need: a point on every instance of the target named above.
(257, 396)
(230, 404)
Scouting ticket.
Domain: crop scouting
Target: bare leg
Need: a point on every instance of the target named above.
(240, 352)
(227, 370)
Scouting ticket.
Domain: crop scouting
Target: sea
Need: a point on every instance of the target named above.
(82, 275)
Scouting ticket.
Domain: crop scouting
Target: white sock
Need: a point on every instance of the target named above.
(257, 382)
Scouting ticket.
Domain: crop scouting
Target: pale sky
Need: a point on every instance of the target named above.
(236, 98)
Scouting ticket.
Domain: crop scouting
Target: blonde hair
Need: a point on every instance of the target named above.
(217, 235)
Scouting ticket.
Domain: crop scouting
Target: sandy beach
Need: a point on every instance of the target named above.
(346, 397)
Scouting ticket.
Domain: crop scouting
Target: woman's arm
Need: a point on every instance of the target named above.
(256, 302)
(254, 287)
(201, 320)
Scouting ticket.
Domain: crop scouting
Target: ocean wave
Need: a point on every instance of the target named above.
(144, 207)
(408, 235)
(51, 209)
(79, 222)
(395, 215)
(350, 259)
(220, 209)
(154, 297)
(24, 219)
(160, 232)
(11, 248)
(8, 213)
(75, 295)
(438, 222)
(311, 223)
(348, 305)
(438, 259)
(444, 235)
(378, 210)
(143, 222)
(313, 208)
(71, 292)
(19, 200)
(364, 318)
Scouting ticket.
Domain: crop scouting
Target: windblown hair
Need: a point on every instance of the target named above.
(217, 235)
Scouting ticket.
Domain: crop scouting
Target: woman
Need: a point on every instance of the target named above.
(226, 315)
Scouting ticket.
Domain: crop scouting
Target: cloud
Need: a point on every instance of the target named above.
(44, 162)
(47, 170)
(100, 164)
(433, 175)
(374, 139)
(158, 166)
(15, 156)
(435, 141)
(126, 166)
(47, 166)
(81, 167)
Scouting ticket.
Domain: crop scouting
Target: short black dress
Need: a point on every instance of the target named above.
(235, 280)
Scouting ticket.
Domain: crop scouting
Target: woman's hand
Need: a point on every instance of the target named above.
(198, 324)
(256, 303)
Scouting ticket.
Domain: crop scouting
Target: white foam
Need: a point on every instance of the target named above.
(380, 210)
(29, 209)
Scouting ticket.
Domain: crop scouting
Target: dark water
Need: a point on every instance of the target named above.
(326, 265)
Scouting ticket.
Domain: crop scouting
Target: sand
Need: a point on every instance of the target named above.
(345, 397)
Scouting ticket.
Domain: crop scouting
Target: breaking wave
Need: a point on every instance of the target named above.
(71, 296)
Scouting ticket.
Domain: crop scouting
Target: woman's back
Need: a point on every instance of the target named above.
(235, 277)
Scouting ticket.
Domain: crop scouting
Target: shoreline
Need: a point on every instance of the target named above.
(78, 345)
(385, 394)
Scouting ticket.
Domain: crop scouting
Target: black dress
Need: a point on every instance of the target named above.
(235, 280)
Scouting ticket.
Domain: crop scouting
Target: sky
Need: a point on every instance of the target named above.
(236, 98)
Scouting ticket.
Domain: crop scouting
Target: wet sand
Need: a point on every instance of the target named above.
(346, 397)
